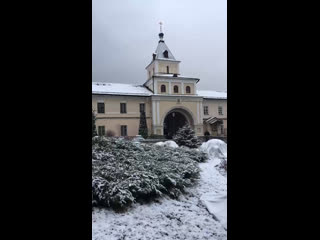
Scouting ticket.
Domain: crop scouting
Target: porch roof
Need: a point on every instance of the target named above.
(212, 120)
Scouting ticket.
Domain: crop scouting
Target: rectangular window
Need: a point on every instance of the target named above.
(220, 110)
(100, 107)
(101, 131)
(124, 130)
(221, 129)
(142, 107)
(123, 108)
(206, 110)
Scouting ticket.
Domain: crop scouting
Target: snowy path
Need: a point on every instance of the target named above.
(169, 219)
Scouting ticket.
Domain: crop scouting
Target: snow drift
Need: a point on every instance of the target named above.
(215, 148)
(170, 144)
(216, 203)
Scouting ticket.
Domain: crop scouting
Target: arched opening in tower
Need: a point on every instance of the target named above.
(172, 122)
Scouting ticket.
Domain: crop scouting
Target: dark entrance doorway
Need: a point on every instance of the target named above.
(172, 122)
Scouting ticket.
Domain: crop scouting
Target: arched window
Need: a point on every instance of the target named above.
(165, 54)
(163, 88)
(167, 69)
(175, 89)
(188, 89)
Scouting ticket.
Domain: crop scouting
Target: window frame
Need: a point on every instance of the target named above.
(124, 128)
(164, 87)
(144, 107)
(166, 54)
(124, 109)
(175, 87)
(220, 110)
(99, 108)
(188, 89)
(101, 129)
(205, 110)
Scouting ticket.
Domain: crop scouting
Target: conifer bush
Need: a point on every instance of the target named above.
(94, 129)
(125, 172)
(143, 128)
(185, 136)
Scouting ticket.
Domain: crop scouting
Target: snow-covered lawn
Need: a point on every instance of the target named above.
(200, 214)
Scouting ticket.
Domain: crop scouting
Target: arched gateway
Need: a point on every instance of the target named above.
(175, 119)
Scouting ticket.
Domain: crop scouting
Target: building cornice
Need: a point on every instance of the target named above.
(164, 60)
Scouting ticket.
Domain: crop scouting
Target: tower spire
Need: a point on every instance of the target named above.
(161, 33)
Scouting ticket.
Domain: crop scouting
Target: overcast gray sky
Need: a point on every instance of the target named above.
(125, 34)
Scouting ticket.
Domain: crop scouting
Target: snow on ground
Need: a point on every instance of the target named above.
(199, 214)
(169, 143)
(215, 201)
(216, 148)
(213, 191)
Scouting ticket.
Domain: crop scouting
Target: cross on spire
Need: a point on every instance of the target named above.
(160, 26)
(161, 33)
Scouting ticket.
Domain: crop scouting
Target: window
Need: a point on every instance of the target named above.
(175, 89)
(123, 108)
(220, 110)
(188, 89)
(100, 107)
(142, 107)
(167, 69)
(101, 131)
(221, 129)
(163, 88)
(206, 110)
(165, 54)
(124, 130)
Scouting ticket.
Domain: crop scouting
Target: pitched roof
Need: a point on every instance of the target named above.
(212, 94)
(160, 50)
(119, 89)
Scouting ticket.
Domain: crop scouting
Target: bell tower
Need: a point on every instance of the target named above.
(163, 61)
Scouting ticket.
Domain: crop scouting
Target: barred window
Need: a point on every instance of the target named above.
(220, 110)
(100, 107)
(101, 131)
(206, 110)
(124, 130)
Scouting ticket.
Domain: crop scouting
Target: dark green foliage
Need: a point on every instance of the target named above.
(143, 128)
(124, 172)
(155, 136)
(185, 136)
(94, 129)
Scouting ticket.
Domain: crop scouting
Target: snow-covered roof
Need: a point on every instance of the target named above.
(160, 50)
(138, 90)
(212, 94)
(119, 89)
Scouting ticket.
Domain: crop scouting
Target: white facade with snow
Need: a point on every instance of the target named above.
(168, 99)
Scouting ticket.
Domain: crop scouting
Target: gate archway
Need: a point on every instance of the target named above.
(175, 119)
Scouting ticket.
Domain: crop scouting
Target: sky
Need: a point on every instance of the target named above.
(125, 34)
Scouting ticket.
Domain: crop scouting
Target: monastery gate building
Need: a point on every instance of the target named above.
(168, 99)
